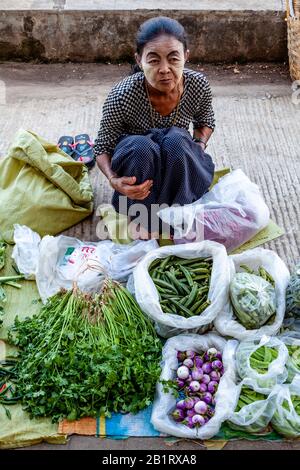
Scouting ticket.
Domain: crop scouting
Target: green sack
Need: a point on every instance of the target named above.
(41, 187)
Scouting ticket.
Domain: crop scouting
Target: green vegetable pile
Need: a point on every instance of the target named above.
(293, 362)
(182, 284)
(85, 354)
(3, 246)
(296, 404)
(293, 294)
(286, 419)
(253, 412)
(253, 297)
(248, 396)
(261, 359)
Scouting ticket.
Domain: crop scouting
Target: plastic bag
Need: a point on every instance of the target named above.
(56, 262)
(293, 361)
(42, 187)
(231, 214)
(253, 300)
(226, 322)
(168, 325)
(276, 373)
(26, 250)
(255, 417)
(286, 421)
(164, 403)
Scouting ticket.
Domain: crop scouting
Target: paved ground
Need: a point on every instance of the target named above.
(258, 129)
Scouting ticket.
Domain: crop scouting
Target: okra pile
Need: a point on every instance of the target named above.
(261, 359)
(182, 284)
(248, 396)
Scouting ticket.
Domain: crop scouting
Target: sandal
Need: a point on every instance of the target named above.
(83, 150)
(65, 144)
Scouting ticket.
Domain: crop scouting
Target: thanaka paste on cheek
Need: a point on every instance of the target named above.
(153, 76)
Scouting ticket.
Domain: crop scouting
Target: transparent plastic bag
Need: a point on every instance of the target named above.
(231, 213)
(227, 323)
(57, 262)
(146, 294)
(26, 250)
(291, 339)
(276, 373)
(165, 403)
(255, 417)
(285, 420)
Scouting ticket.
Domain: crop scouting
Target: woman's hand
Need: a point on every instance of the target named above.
(126, 185)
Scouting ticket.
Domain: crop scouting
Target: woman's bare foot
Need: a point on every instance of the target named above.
(138, 232)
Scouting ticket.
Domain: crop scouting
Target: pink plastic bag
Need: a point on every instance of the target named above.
(231, 214)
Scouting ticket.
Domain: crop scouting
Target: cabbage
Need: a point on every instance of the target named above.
(253, 299)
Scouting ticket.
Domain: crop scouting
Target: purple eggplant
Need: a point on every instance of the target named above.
(198, 420)
(183, 372)
(207, 368)
(190, 354)
(206, 379)
(178, 415)
(180, 383)
(188, 362)
(203, 388)
(189, 403)
(198, 362)
(191, 413)
(214, 375)
(217, 365)
(197, 374)
(212, 387)
(181, 356)
(194, 386)
(200, 407)
(207, 397)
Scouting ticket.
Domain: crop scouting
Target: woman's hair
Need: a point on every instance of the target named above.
(153, 28)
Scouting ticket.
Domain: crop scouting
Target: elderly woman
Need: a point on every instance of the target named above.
(144, 146)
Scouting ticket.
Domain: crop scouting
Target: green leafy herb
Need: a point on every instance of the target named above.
(86, 354)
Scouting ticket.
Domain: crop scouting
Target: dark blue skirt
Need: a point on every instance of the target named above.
(181, 171)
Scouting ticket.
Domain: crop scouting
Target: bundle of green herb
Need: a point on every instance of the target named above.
(84, 354)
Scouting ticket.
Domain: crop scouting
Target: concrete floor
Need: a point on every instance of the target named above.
(258, 128)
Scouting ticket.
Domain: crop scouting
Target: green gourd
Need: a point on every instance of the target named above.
(293, 294)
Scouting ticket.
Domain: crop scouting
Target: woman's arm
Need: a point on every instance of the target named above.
(204, 134)
(104, 164)
(111, 127)
(125, 185)
(204, 119)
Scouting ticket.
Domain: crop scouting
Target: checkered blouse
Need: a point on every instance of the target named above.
(127, 111)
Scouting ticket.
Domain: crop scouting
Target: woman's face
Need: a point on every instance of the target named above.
(162, 61)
